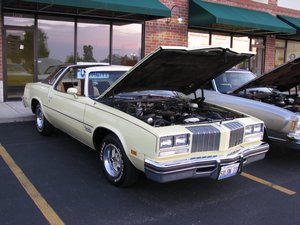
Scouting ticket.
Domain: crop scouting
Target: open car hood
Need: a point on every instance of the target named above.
(176, 69)
(282, 78)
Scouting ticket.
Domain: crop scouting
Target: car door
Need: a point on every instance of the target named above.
(67, 110)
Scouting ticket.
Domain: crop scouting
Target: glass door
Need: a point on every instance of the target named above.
(19, 67)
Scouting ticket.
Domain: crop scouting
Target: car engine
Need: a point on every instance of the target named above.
(284, 100)
(159, 113)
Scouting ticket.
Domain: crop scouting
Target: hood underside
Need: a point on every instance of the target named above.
(282, 78)
(177, 69)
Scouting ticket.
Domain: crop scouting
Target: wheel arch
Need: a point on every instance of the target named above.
(99, 134)
(34, 103)
(266, 137)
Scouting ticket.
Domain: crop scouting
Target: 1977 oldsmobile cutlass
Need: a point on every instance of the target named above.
(144, 121)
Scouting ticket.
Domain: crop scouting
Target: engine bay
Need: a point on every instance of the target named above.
(159, 112)
(286, 100)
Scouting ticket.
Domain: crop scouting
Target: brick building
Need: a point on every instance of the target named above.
(38, 35)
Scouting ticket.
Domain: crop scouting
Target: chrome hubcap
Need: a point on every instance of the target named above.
(39, 119)
(112, 159)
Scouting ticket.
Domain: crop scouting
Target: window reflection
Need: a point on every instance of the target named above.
(93, 42)
(18, 20)
(279, 52)
(126, 46)
(220, 40)
(19, 61)
(196, 40)
(55, 45)
(293, 50)
(256, 62)
(241, 44)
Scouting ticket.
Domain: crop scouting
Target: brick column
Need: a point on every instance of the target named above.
(270, 53)
(168, 31)
(1, 56)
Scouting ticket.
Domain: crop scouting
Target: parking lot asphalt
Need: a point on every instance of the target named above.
(57, 180)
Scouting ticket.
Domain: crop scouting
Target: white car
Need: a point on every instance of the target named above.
(144, 121)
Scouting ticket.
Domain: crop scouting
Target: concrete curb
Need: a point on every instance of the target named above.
(15, 112)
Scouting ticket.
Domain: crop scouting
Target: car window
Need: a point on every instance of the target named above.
(72, 78)
(100, 81)
(232, 80)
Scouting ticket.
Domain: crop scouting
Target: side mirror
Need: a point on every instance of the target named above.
(72, 91)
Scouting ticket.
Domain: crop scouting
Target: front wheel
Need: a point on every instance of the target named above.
(117, 167)
(42, 124)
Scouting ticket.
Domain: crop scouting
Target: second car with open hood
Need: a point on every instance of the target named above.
(144, 121)
(272, 97)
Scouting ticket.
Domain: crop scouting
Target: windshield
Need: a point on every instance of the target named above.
(232, 80)
(99, 81)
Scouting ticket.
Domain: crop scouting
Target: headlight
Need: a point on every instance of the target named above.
(254, 132)
(295, 125)
(181, 140)
(171, 145)
(166, 142)
(257, 128)
(248, 129)
(253, 129)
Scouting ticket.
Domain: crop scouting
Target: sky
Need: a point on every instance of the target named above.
(291, 4)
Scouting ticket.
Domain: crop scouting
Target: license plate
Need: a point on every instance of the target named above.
(228, 171)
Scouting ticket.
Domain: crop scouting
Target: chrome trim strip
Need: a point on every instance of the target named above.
(243, 152)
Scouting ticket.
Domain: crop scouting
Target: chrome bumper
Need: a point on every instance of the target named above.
(291, 141)
(208, 166)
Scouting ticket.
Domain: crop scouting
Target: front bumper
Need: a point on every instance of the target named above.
(208, 166)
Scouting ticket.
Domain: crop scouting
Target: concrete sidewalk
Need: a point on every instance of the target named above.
(14, 112)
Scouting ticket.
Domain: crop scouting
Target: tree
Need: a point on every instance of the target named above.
(88, 54)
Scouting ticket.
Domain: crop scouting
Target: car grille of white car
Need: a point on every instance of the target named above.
(236, 133)
(205, 138)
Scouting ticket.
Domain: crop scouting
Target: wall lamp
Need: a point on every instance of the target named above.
(179, 18)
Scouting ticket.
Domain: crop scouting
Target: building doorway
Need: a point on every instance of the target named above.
(19, 63)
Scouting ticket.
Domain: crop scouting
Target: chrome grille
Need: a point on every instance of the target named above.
(205, 138)
(236, 133)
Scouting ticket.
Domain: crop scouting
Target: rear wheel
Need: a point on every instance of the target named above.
(42, 124)
(117, 167)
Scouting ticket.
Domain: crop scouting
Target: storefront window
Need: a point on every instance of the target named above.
(55, 45)
(256, 62)
(126, 46)
(220, 40)
(17, 19)
(241, 44)
(196, 40)
(279, 52)
(93, 42)
(292, 50)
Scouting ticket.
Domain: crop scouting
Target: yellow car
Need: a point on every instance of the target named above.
(141, 119)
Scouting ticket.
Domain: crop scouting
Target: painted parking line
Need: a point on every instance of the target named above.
(33, 193)
(269, 184)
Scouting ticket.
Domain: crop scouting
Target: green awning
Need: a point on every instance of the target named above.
(145, 10)
(295, 22)
(206, 14)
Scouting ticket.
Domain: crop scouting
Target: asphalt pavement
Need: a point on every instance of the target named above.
(66, 176)
(57, 180)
